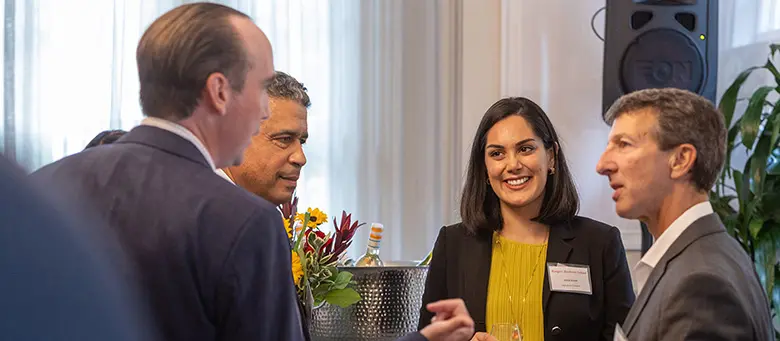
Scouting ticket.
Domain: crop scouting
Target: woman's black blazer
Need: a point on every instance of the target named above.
(460, 268)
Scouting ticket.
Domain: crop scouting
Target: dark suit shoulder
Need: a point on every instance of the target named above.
(459, 230)
(716, 253)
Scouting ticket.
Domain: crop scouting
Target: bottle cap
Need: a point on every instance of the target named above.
(375, 235)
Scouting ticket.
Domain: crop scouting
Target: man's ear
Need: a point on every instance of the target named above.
(682, 159)
(217, 93)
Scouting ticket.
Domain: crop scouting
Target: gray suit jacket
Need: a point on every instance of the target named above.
(703, 288)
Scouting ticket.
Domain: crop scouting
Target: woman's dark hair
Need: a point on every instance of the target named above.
(105, 137)
(479, 206)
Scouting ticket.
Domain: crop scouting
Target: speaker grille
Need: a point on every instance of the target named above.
(687, 20)
(662, 58)
(640, 18)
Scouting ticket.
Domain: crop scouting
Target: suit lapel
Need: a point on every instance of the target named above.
(703, 226)
(647, 290)
(476, 276)
(558, 251)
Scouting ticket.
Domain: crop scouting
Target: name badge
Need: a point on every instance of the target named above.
(619, 334)
(569, 278)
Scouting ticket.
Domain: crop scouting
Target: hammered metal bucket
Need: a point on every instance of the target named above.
(390, 305)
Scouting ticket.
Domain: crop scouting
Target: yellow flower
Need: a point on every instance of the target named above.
(288, 228)
(316, 217)
(297, 269)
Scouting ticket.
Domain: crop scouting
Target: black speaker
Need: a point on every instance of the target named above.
(660, 44)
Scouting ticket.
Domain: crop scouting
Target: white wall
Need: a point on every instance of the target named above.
(550, 55)
(543, 50)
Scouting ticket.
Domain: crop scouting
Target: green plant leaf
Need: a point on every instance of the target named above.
(732, 135)
(343, 278)
(758, 163)
(771, 206)
(751, 119)
(742, 190)
(775, 297)
(342, 297)
(755, 227)
(766, 258)
(728, 101)
(742, 184)
(771, 67)
(732, 223)
(774, 118)
(772, 49)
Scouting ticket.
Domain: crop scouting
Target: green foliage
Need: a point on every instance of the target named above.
(750, 208)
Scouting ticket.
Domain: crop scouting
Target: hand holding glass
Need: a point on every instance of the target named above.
(506, 332)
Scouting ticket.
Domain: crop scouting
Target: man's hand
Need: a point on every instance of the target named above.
(451, 321)
(483, 337)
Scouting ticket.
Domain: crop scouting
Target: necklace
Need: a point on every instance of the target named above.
(513, 307)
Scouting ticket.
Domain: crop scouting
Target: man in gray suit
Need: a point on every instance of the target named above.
(664, 153)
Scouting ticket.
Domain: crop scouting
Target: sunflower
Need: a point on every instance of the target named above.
(316, 217)
(297, 269)
(288, 228)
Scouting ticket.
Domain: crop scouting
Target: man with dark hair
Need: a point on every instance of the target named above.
(665, 151)
(212, 260)
(273, 161)
(272, 165)
(105, 137)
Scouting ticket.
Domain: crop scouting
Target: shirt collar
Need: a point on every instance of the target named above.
(224, 175)
(181, 131)
(659, 247)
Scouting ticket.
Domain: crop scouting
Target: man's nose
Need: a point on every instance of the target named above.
(604, 166)
(298, 158)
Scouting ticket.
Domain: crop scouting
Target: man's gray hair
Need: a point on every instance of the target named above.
(285, 86)
(683, 117)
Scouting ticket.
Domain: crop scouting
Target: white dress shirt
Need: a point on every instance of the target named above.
(651, 258)
(187, 135)
(224, 175)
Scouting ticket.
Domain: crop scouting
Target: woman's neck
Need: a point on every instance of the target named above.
(519, 227)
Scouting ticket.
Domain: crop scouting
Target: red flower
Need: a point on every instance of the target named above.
(318, 233)
(343, 236)
(289, 209)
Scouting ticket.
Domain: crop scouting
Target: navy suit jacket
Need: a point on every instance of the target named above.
(211, 259)
(53, 284)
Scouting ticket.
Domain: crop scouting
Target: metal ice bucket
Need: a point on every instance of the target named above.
(390, 305)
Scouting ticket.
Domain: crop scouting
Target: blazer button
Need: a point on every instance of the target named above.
(556, 330)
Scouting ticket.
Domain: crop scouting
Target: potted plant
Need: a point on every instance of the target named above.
(747, 198)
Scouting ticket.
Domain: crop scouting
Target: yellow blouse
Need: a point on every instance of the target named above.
(515, 286)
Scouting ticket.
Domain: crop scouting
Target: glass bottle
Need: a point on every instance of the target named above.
(371, 257)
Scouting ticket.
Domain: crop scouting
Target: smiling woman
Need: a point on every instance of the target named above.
(518, 211)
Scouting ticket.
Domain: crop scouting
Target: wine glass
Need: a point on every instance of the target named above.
(506, 332)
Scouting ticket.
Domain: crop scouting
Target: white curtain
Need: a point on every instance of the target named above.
(744, 39)
(70, 72)
(70, 67)
(394, 129)
(381, 74)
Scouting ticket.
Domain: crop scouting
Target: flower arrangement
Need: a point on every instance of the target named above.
(316, 255)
